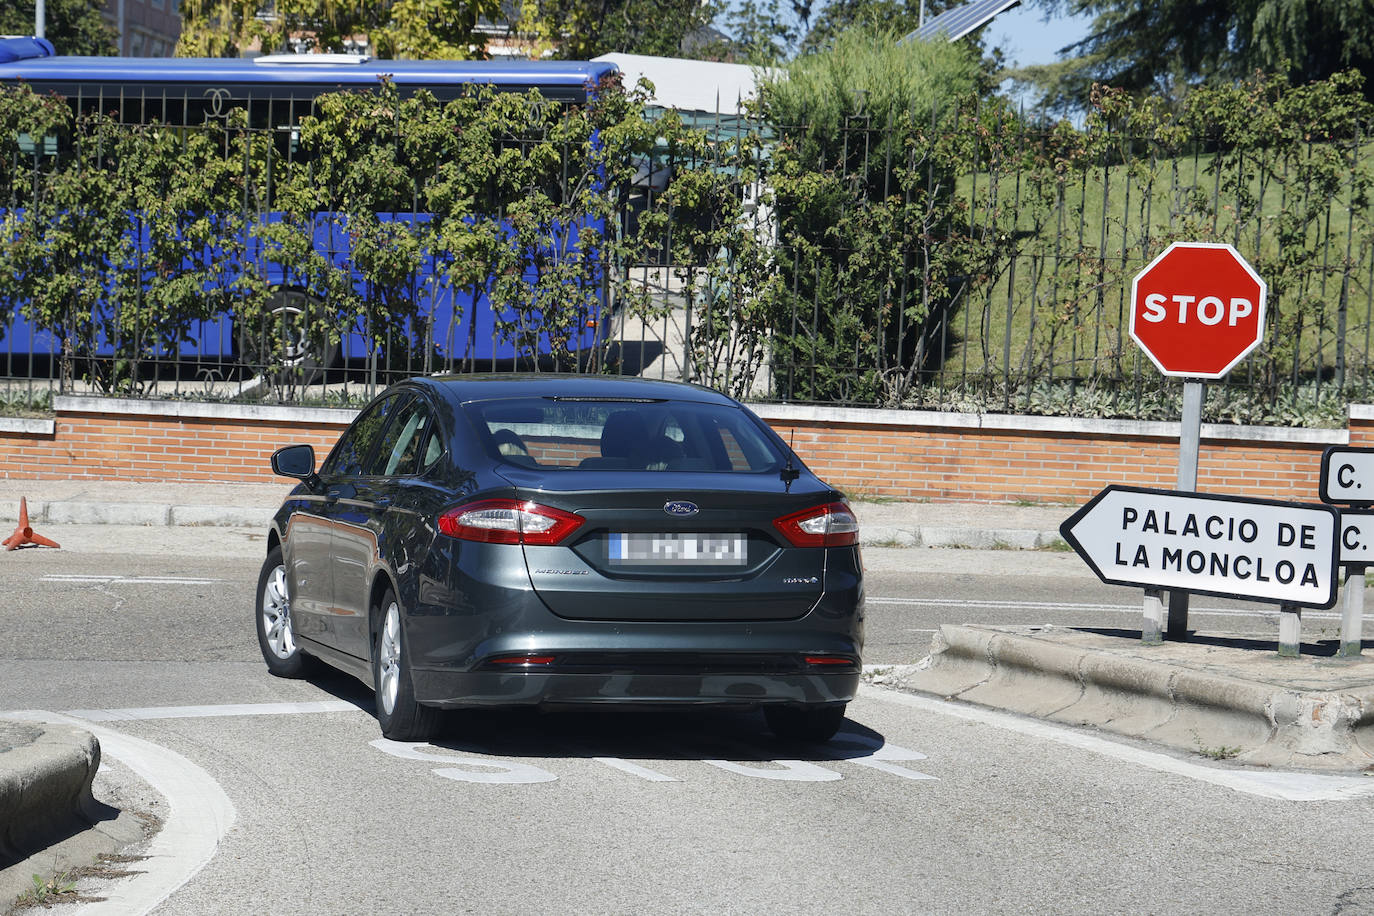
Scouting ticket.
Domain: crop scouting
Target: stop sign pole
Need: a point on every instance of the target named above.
(1189, 444)
(1197, 310)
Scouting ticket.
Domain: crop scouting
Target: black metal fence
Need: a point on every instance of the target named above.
(975, 262)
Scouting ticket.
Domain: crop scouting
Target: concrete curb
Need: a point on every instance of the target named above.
(220, 516)
(1047, 672)
(976, 538)
(45, 785)
(155, 515)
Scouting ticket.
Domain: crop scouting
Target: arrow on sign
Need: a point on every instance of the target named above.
(1265, 550)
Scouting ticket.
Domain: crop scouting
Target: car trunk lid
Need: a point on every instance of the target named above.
(650, 550)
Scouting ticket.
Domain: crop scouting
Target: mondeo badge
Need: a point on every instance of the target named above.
(680, 508)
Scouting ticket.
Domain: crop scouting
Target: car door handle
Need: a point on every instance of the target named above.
(333, 493)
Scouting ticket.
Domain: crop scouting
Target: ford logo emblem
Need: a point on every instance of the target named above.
(680, 508)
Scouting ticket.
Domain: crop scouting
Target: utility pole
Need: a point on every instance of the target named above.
(39, 14)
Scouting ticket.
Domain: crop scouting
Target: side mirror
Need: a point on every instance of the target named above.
(294, 461)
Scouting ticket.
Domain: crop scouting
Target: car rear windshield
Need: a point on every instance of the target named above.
(620, 435)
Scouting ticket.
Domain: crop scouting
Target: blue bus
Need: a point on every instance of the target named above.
(457, 327)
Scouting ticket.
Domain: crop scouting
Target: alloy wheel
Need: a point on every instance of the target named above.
(276, 614)
(389, 658)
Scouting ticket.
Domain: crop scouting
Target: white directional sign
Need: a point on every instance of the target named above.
(1347, 476)
(1284, 553)
(1357, 538)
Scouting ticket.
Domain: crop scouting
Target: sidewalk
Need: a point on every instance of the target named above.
(881, 524)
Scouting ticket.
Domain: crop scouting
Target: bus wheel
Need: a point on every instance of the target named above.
(278, 346)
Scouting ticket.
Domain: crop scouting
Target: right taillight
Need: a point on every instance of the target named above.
(830, 661)
(830, 525)
(509, 521)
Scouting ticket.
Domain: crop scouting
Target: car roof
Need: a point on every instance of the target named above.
(462, 389)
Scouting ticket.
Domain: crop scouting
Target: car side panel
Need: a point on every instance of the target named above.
(410, 553)
(307, 535)
(355, 555)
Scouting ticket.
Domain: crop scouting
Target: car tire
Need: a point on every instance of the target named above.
(815, 724)
(399, 715)
(276, 636)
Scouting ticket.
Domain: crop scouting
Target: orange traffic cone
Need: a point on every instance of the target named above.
(23, 535)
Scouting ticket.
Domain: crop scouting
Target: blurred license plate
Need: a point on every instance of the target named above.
(678, 549)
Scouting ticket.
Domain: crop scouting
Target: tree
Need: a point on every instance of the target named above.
(73, 26)
(1162, 46)
(395, 28)
(860, 181)
(583, 29)
(758, 32)
(433, 29)
(771, 32)
(899, 16)
(1316, 37)
(439, 29)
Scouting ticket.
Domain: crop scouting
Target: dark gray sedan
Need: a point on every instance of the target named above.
(565, 541)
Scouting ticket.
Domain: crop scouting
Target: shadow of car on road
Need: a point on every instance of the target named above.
(656, 733)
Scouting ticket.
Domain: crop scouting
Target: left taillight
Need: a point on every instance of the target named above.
(829, 525)
(509, 521)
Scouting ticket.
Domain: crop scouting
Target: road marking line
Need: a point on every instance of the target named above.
(1285, 786)
(635, 769)
(138, 713)
(783, 770)
(876, 755)
(126, 580)
(199, 815)
(491, 772)
(1277, 785)
(991, 605)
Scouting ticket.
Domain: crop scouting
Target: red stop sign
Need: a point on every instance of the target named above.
(1197, 309)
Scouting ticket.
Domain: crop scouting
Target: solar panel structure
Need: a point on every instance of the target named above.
(959, 21)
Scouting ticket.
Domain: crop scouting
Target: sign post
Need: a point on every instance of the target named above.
(1357, 553)
(1290, 630)
(1196, 310)
(1152, 630)
(1189, 444)
(1264, 550)
(1347, 477)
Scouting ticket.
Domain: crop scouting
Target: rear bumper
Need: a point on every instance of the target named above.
(455, 637)
(452, 689)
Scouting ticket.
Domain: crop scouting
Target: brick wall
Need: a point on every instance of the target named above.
(906, 455)
(945, 464)
(962, 457)
(101, 441)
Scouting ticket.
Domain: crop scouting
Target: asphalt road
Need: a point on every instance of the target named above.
(921, 806)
